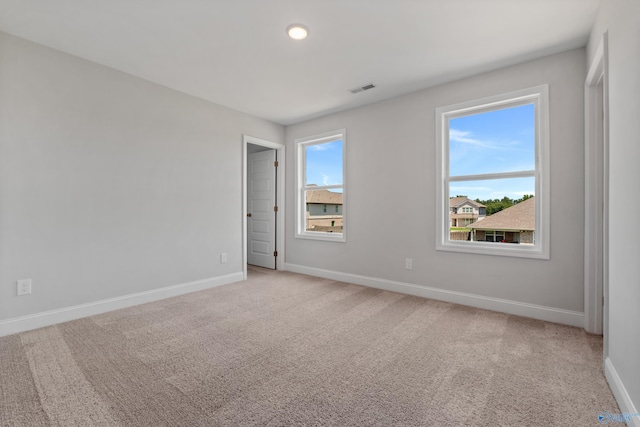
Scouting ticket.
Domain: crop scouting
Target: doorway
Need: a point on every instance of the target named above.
(262, 208)
(263, 203)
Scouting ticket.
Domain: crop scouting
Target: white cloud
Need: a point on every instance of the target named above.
(324, 146)
(466, 137)
(461, 189)
(462, 136)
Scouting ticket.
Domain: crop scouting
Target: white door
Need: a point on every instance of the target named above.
(261, 211)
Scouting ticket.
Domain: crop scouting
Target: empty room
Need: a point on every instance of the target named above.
(306, 212)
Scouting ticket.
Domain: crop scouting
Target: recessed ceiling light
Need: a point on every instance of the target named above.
(297, 31)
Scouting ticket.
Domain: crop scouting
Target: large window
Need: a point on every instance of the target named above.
(495, 152)
(321, 185)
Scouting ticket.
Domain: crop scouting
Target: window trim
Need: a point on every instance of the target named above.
(539, 96)
(300, 145)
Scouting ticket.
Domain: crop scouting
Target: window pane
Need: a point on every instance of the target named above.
(496, 210)
(324, 211)
(324, 163)
(493, 142)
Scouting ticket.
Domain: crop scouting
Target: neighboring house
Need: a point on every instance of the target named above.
(512, 225)
(324, 211)
(464, 211)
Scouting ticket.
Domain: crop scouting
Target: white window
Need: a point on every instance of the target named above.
(320, 180)
(489, 149)
(494, 236)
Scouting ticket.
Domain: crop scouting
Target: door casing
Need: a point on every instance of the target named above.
(596, 256)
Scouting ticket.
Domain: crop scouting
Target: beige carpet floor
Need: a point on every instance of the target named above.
(286, 349)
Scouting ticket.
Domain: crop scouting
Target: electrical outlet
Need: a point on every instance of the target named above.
(223, 258)
(24, 287)
(408, 263)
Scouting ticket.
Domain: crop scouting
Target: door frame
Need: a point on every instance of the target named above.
(596, 208)
(280, 187)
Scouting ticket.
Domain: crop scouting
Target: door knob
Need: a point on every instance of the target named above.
(248, 215)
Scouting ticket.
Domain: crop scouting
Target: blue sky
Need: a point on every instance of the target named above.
(492, 142)
(324, 163)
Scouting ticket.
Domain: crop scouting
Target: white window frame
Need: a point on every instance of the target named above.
(301, 173)
(539, 96)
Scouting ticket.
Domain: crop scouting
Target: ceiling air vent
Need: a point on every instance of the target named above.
(362, 88)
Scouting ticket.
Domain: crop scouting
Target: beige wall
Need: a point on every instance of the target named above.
(526, 237)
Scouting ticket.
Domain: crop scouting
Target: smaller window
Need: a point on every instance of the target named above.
(320, 178)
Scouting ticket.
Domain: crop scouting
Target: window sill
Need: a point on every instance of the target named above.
(328, 237)
(495, 249)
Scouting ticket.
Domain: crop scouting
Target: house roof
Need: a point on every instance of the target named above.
(324, 197)
(517, 217)
(454, 202)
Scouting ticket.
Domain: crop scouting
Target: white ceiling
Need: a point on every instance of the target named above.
(236, 52)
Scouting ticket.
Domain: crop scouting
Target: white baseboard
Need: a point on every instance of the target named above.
(52, 317)
(620, 393)
(550, 314)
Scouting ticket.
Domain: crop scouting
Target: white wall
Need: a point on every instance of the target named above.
(391, 163)
(621, 19)
(111, 185)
